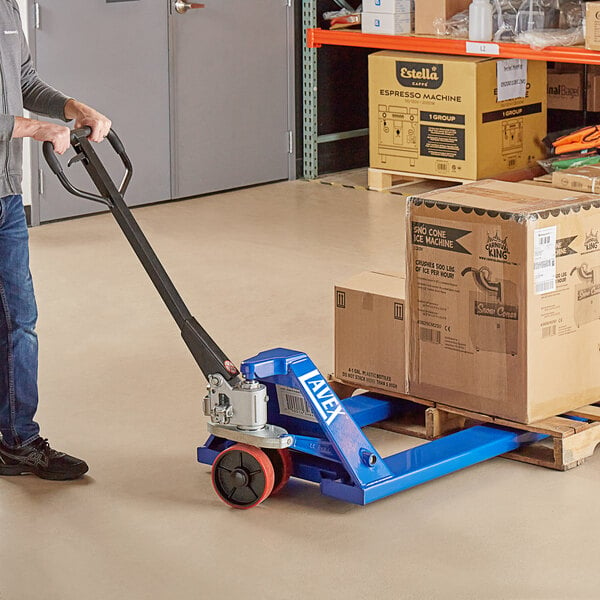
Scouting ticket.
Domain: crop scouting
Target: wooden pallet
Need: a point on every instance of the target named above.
(381, 180)
(568, 444)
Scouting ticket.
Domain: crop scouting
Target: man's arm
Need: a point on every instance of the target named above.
(43, 131)
(86, 116)
(43, 99)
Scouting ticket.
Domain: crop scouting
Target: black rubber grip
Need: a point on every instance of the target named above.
(82, 132)
(116, 143)
(51, 158)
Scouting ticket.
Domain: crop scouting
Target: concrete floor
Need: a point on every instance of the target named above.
(118, 388)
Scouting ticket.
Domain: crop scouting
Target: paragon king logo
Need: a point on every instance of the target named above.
(591, 242)
(420, 75)
(497, 247)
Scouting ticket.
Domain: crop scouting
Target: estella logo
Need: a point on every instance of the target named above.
(420, 75)
(497, 247)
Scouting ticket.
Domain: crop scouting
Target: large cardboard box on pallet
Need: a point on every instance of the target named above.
(504, 290)
(370, 331)
(440, 115)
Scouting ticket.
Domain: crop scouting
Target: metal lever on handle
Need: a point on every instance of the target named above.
(182, 7)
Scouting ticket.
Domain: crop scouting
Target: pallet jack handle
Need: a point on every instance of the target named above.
(209, 357)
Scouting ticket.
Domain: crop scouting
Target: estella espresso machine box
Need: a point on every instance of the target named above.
(504, 297)
(445, 116)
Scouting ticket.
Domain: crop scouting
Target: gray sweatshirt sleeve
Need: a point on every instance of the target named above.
(38, 96)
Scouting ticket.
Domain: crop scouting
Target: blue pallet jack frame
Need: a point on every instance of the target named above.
(328, 445)
(278, 416)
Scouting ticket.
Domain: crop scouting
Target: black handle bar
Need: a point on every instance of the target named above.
(79, 141)
(209, 357)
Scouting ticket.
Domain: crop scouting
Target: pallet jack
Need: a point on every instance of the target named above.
(278, 416)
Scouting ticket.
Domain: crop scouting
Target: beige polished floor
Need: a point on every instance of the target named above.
(257, 268)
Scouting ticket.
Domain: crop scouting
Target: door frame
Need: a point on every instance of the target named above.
(35, 154)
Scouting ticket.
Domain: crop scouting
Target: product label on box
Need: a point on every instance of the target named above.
(438, 236)
(369, 378)
(293, 404)
(544, 260)
(511, 113)
(512, 79)
(443, 142)
(438, 117)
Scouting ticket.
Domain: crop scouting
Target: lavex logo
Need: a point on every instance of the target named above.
(326, 402)
(420, 75)
(497, 247)
(498, 310)
(591, 242)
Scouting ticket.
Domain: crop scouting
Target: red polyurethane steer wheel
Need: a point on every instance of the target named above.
(243, 476)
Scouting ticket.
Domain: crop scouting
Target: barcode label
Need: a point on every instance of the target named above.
(544, 260)
(548, 331)
(293, 404)
(430, 335)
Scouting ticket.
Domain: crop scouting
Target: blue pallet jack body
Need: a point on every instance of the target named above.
(330, 448)
(277, 416)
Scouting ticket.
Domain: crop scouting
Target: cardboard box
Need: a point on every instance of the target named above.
(563, 74)
(593, 90)
(370, 331)
(565, 90)
(504, 297)
(427, 11)
(439, 115)
(592, 25)
(388, 6)
(387, 23)
(580, 179)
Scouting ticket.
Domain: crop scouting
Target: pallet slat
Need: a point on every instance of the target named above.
(568, 444)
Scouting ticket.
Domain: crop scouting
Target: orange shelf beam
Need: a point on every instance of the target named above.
(315, 38)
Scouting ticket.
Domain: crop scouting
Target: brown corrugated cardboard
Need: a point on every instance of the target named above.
(593, 86)
(565, 90)
(427, 11)
(504, 290)
(370, 331)
(580, 179)
(439, 115)
(592, 25)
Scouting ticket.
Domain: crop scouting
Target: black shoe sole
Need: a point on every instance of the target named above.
(14, 470)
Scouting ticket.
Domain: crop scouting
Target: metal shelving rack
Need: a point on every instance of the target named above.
(315, 38)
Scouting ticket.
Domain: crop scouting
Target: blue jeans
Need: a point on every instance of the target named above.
(18, 340)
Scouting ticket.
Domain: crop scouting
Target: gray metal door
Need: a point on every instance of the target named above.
(230, 111)
(203, 99)
(112, 55)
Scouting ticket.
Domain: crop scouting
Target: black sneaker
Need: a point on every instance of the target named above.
(41, 460)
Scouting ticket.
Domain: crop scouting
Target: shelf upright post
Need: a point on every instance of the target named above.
(309, 93)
